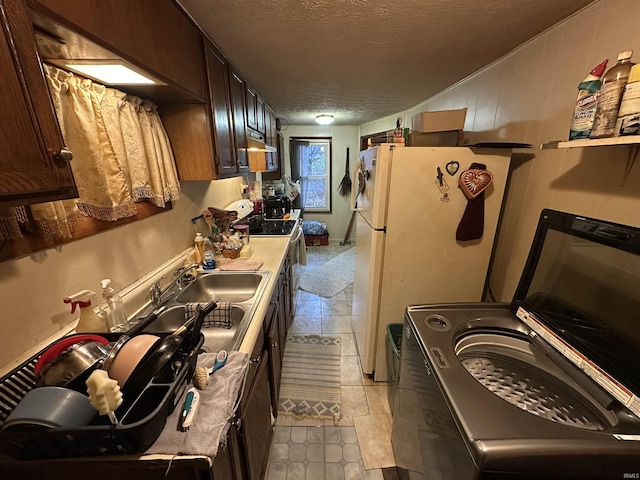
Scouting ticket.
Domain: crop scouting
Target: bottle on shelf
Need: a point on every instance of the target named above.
(112, 308)
(89, 320)
(629, 114)
(613, 83)
(586, 103)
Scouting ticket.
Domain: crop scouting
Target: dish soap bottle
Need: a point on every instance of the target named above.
(208, 257)
(199, 244)
(89, 320)
(112, 308)
(613, 83)
(586, 103)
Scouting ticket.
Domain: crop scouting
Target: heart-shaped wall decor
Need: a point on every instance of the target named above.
(452, 167)
(474, 181)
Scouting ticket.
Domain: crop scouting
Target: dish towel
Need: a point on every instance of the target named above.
(218, 402)
(235, 264)
(219, 317)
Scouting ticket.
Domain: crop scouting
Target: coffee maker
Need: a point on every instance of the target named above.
(277, 207)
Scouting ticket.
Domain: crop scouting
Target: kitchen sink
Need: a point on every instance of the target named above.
(242, 289)
(224, 286)
(215, 338)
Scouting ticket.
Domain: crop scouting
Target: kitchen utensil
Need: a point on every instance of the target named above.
(189, 409)
(151, 366)
(202, 374)
(61, 345)
(50, 407)
(345, 183)
(104, 394)
(132, 353)
(72, 363)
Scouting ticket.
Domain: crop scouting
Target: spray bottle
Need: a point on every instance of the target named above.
(89, 320)
(586, 103)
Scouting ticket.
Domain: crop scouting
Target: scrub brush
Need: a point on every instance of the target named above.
(201, 374)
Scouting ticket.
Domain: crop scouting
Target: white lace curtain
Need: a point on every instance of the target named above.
(121, 155)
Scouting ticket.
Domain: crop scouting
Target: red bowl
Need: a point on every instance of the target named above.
(60, 346)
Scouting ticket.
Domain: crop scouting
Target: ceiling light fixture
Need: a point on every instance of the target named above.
(110, 72)
(324, 119)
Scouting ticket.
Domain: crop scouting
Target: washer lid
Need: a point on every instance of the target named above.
(581, 286)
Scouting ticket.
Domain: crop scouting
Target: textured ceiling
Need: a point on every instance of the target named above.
(364, 59)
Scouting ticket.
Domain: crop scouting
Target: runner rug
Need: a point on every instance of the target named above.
(310, 386)
(331, 277)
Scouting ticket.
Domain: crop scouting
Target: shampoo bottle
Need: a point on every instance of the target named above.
(112, 308)
(586, 103)
(613, 83)
(89, 320)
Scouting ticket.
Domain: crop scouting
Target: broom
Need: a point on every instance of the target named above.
(345, 184)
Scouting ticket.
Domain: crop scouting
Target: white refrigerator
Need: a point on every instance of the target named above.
(409, 206)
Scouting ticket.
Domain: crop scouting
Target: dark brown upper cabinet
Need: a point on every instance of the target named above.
(251, 98)
(151, 34)
(238, 87)
(260, 116)
(34, 162)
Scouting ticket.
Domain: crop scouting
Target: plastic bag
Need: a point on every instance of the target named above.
(313, 227)
(291, 188)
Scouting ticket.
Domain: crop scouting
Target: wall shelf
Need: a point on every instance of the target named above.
(631, 141)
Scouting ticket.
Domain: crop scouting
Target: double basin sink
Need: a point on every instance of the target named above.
(242, 289)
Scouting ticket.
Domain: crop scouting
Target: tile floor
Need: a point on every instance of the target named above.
(357, 447)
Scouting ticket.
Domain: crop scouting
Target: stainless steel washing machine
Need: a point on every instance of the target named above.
(544, 387)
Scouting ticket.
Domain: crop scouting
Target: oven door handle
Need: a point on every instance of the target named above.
(294, 240)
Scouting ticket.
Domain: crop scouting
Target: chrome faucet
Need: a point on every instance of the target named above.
(156, 293)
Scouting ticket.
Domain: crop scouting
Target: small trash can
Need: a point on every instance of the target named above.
(394, 336)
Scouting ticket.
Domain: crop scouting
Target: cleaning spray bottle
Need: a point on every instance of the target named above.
(586, 103)
(89, 321)
(112, 308)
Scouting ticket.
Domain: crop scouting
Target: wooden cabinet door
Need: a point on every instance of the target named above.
(218, 77)
(237, 86)
(255, 427)
(228, 463)
(275, 347)
(153, 34)
(30, 139)
(251, 98)
(260, 117)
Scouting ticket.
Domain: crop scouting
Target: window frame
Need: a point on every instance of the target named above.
(328, 142)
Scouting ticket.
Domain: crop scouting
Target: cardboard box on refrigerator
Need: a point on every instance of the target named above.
(442, 121)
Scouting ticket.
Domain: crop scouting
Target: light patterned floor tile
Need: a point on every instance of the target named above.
(350, 372)
(377, 398)
(374, 437)
(336, 324)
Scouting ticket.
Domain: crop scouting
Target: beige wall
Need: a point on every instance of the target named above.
(528, 96)
(32, 287)
(342, 137)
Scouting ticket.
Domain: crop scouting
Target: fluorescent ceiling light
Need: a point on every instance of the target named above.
(324, 119)
(110, 73)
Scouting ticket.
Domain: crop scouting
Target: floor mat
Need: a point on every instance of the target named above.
(310, 385)
(331, 277)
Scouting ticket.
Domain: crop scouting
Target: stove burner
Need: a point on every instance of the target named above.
(270, 227)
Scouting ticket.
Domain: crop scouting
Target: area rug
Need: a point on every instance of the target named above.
(331, 277)
(310, 386)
